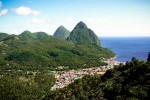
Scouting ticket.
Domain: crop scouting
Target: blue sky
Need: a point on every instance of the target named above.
(104, 17)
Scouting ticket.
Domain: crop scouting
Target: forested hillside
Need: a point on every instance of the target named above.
(124, 82)
(41, 50)
(26, 62)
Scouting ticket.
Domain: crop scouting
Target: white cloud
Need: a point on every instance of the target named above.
(3, 12)
(26, 11)
(36, 12)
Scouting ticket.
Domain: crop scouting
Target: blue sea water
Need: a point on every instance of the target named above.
(128, 47)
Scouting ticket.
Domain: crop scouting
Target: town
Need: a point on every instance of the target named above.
(64, 78)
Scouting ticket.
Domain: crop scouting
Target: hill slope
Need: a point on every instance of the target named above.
(27, 35)
(82, 34)
(3, 35)
(124, 82)
(28, 50)
(61, 33)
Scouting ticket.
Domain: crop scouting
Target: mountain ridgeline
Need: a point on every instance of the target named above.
(27, 35)
(82, 34)
(28, 60)
(40, 50)
(61, 33)
(3, 35)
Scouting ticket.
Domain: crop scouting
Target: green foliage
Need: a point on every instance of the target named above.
(3, 35)
(28, 58)
(124, 82)
(3, 62)
(10, 38)
(81, 89)
(28, 49)
(128, 81)
(26, 61)
(26, 35)
(82, 34)
(61, 33)
(40, 35)
(29, 87)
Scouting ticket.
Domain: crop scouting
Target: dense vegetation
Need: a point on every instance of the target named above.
(82, 34)
(39, 50)
(27, 61)
(27, 35)
(21, 85)
(87, 88)
(61, 33)
(125, 82)
(3, 35)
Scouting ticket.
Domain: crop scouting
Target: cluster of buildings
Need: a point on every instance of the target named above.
(64, 78)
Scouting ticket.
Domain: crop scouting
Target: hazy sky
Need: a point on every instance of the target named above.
(104, 17)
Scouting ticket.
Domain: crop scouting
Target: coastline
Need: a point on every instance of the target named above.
(112, 61)
(128, 47)
(64, 78)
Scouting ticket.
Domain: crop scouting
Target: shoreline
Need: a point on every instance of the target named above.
(64, 78)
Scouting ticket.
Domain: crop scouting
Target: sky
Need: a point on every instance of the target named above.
(106, 18)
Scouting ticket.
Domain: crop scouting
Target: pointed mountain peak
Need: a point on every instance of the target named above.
(61, 33)
(26, 31)
(81, 22)
(82, 34)
(81, 25)
(61, 26)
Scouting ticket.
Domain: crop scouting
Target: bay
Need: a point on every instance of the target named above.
(128, 47)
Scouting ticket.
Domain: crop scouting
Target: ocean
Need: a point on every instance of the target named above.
(128, 47)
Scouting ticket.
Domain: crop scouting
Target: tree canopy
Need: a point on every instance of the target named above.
(124, 82)
(39, 49)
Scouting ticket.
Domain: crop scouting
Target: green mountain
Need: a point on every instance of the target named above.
(61, 33)
(40, 35)
(10, 38)
(41, 50)
(82, 34)
(26, 35)
(125, 82)
(3, 35)
(27, 61)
